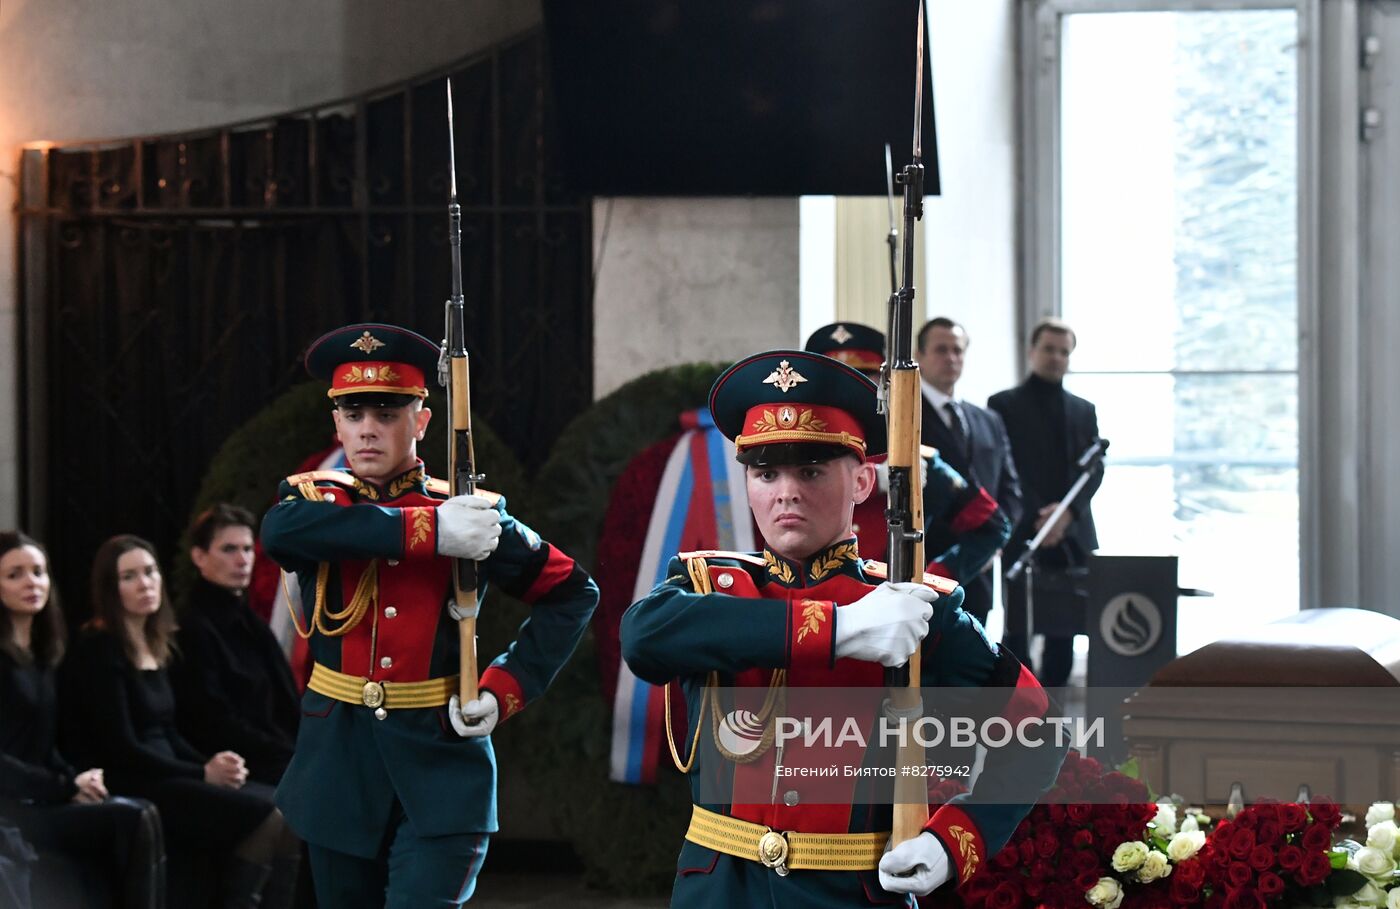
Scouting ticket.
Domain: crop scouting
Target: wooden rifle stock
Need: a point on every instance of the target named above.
(910, 792)
(464, 582)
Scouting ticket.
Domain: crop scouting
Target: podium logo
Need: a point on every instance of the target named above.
(1131, 624)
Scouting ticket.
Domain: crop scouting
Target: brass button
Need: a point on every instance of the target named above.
(330, 497)
(393, 562)
(385, 662)
(381, 713)
(790, 798)
(725, 580)
(390, 612)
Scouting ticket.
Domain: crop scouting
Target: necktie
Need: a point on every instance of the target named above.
(955, 424)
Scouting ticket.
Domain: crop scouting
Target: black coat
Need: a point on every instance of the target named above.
(1021, 409)
(122, 719)
(31, 769)
(233, 687)
(986, 462)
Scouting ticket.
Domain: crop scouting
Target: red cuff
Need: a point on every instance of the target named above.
(509, 695)
(811, 637)
(1027, 700)
(961, 838)
(419, 532)
(975, 513)
(556, 571)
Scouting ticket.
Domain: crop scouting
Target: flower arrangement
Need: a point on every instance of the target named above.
(1099, 840)
(1064, 847)
(1372, 866)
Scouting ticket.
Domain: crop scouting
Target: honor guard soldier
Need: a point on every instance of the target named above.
(392, 783)
(809, 612)
(961, 515)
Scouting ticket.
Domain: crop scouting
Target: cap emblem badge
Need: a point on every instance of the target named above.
(841, 335)
(784, 377)
(367, 343)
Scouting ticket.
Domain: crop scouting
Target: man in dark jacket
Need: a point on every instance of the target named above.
(233, 686)
(1049, 429)
(970, 438)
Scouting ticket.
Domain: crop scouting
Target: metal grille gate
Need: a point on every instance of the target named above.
(169, 284)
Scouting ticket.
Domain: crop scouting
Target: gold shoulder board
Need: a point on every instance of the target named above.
(443, 488)
(882, 571)
(721, 554)
(322, 476)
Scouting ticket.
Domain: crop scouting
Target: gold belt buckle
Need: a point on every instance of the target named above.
(773, 851)
(372, 694)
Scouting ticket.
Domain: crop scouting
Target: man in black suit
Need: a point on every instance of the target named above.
(1049, 429)
(971, 439)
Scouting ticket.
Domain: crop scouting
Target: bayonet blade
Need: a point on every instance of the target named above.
(889, 187)
(919, 87)
(451, 145)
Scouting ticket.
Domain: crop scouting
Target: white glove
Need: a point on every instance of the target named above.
(918, 866)
(477, 718)
(886, 624)
(469, 527)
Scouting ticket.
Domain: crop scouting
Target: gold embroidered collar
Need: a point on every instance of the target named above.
(412, 479)
(833, 560)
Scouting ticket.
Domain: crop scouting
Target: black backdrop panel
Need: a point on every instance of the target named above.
(736, 97)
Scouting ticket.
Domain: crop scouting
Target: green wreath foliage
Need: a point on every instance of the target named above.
(626, 836)
(574, 484)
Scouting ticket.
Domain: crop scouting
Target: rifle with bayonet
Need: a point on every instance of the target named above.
(454, 374)
(901, 401)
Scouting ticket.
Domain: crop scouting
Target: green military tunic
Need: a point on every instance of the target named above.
(355, 768)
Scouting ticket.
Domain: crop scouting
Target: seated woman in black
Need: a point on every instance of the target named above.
(127, 715)
(58, 809)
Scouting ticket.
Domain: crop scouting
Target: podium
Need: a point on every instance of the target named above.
(1126, 606)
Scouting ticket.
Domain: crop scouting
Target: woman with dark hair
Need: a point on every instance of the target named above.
(126, 714)
(58, 809)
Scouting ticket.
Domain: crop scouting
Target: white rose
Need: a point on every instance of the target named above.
(1153, 867)
(1374, 863)
(1369, 895)
(1129, 856)
(1380, 811)
(1392, 901)
(1165, 821)
(1185, 844)
(1106, 894)
(1189, 824)
(1382, 836)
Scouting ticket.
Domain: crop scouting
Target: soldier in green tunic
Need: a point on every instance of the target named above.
(810, 612)
(393, 782)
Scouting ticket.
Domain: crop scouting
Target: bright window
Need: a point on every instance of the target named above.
(1178, 230)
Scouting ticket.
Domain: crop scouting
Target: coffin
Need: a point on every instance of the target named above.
(1310, 700)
